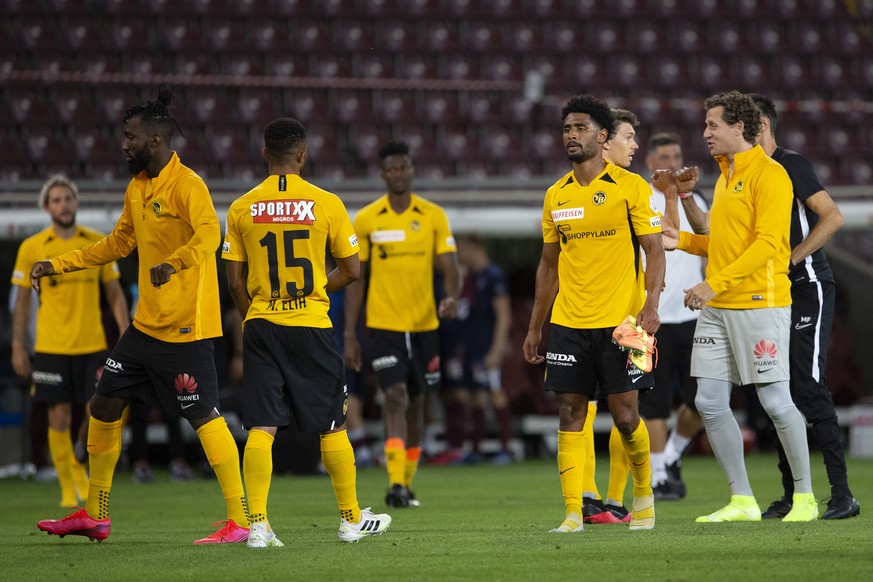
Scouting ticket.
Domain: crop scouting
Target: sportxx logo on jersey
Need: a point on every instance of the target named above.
(765, 355)
(185, 386)
(285, 211)
(565, 231)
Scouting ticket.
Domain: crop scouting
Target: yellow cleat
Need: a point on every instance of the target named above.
(571, 524)
(741, 508)
(643, 516)
(803, 508)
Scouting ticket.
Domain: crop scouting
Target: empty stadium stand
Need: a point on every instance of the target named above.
(449, 74)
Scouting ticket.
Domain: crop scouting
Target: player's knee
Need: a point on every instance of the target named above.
(107, 409)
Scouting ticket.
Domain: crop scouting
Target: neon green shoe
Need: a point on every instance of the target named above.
(741, 508)
(571, 524)
(803, 508)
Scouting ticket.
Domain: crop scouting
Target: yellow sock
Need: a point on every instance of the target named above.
(104, 448)
(258, 471)
(619, 466)
(338, 458)
(223, 457)
(395, 460)
(637, 448)
(61, 451)
(570, 467)
(413, 454)
(589, 486)
(80, 480)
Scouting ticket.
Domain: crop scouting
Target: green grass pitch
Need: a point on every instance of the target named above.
(475, 523)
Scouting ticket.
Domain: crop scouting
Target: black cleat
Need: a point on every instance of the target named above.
(674, 476)
(397, 496)
(778, 509)
(666, 491)
(842, 507)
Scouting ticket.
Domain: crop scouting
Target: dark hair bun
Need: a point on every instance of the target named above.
(165, 96)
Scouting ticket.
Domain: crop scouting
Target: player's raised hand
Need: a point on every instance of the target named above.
(40, 269)
(686, 178)
(665, 181)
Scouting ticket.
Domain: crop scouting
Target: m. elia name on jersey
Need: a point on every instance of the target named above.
(168, 219)
(597, 227)
(400, 249)
(281, 229)
(68, 321)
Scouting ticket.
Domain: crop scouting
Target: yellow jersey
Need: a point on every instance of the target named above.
(749, 226)
(600, 279)
(68, 320)
(400, 249)
(168, 219)
(281, 229)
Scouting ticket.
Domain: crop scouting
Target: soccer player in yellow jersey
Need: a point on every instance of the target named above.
(618, 150)
(70, 341)
(274, 252)
(402, 235)
(595, 219)
(743, 331)
(167, 354)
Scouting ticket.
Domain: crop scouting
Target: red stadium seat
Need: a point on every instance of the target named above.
(210, 106)
(30, 107)
(441, 108)
(130, 33)
(287, 65)
(76, 106)
(396, 36)
(257, 107)
(355, 35)
(269, 35)
(313, 36)
(226, 35)
(46, 147)
(85, 33)
(418, 67)
(351, 106)
(183, 35)
(396, 107)
(243, 64)
(373, 66)
(93, 147)
(461, 68)
(331, 66)
(306, 105)
(482, 36)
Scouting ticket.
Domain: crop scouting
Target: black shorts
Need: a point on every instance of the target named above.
(674, 368)
(406, 358)
(58, 379)
(292, 372)
(179, 376)
(585, 361)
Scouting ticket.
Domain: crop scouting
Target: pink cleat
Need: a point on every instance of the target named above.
(77, 524)
(230, 533)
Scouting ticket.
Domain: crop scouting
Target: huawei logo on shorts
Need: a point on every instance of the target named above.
(185, 383)
(434, 364)
(765, 349)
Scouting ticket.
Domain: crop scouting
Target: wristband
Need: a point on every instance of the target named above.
(684, 195)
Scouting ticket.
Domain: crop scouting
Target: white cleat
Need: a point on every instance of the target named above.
(371, 524)
(571, 524)
(259, 537)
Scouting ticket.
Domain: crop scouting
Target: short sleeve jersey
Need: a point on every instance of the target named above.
(805, 183)
(600, 280)
(281, 228)
(400, 249)
(68, 320)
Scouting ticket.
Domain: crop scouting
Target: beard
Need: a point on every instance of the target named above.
(65, 223)
(139, 162)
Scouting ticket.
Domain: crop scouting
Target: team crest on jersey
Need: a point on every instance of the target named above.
(283, 211)
(599, 198)
(414, 226)
(156, 208)
(739, 186)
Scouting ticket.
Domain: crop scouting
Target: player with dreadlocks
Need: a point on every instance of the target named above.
(167, 354)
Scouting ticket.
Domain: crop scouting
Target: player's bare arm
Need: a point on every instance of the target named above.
(347, 271)
(354, 299)
(656, 265)
(237, 275)
(830, 220)
(20, 318)
(448, 263)
(544, 296)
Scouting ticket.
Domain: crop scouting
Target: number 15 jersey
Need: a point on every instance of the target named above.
(282, 229)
